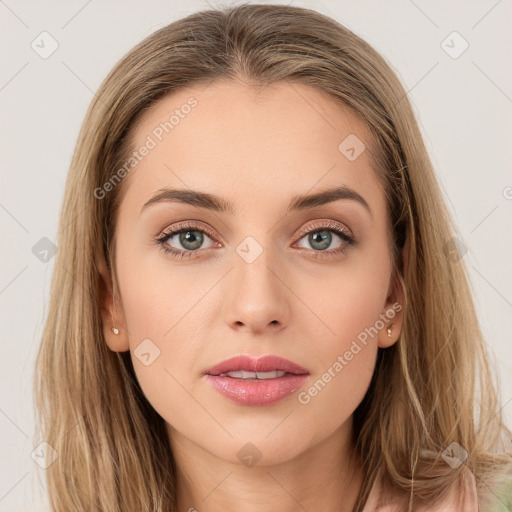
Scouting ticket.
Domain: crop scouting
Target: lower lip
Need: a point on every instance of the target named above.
(257, 391)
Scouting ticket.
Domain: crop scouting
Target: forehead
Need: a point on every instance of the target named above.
(228, 138)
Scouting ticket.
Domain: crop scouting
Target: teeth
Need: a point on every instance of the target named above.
(242, 374)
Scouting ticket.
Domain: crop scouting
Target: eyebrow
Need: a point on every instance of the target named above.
(219, 204)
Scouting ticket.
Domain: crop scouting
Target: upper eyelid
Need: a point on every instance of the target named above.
(183, 226)
(327, 224)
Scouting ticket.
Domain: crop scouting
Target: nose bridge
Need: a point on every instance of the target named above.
(258, 297)
(253, 266)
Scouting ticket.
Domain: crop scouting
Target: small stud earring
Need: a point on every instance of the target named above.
(115, 330)
(390, 328)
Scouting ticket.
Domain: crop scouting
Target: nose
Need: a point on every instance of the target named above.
(257, 296)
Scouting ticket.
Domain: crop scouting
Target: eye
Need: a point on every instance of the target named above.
(184, 240)
(322, 234)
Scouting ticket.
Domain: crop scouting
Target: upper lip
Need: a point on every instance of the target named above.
(263, 364)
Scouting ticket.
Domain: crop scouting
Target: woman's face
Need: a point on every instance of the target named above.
(257, 270)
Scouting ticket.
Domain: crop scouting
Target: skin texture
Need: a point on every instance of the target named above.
(256, 149)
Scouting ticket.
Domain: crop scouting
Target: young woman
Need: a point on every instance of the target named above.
(256, 303)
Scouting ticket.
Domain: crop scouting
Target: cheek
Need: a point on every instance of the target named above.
(343, 302)
(165, 310)
(344, 353)
(340, 340)
(158, 294)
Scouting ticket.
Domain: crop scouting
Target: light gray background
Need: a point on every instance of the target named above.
(463, 105)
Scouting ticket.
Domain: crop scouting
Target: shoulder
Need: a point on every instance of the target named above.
(461, 498)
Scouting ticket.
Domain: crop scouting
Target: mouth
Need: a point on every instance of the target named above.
(263, 381)
(266, 367)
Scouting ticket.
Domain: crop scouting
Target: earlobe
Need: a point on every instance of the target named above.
(393, 317)
(115, 335)
(393, 313)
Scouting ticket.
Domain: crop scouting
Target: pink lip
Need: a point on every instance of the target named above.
(257, 391)
(250, 364)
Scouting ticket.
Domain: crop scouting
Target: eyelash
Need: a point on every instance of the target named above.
(319, 226)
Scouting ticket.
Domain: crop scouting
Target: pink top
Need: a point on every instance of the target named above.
(462, 499)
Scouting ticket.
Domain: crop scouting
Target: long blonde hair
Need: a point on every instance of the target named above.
(432, 388)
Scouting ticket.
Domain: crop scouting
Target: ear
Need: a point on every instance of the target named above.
(393, 312)
(111, 314)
